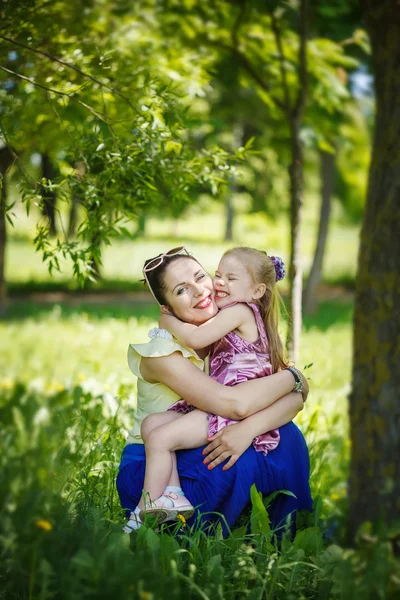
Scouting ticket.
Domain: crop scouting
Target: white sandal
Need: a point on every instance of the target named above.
(168, 507)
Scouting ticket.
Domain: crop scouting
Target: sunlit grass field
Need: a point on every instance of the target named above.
(66, 402)
(202, 231)
(67, 399)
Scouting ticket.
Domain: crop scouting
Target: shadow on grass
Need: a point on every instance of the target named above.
(329, 313)
(19, 311)
(116, 286)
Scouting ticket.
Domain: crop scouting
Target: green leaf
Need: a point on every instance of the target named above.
(172, 146)
(259, 520)
(269, 499)
(310, 540)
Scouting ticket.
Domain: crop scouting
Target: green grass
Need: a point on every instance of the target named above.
(66, 401)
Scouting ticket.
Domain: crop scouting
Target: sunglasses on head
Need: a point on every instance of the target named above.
(155, 262)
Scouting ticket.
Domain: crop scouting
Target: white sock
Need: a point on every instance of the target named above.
(175, 489)
(134, 521)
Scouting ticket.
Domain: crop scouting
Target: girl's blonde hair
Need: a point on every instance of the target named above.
(262, 270)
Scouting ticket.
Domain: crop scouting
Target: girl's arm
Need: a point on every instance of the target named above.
(238, 402)
(214, 329)
(234, 439)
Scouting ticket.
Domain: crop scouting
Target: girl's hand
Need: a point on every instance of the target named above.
(164, 320)
(229, 442)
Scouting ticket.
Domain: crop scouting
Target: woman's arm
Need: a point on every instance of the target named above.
(238, 402)
(234, 439)
(199, 336)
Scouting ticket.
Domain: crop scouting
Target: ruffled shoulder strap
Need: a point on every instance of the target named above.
(257, 315)
(162, 343)
(260, 323)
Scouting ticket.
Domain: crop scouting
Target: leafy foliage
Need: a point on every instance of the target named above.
(115, 121)
(63, 416)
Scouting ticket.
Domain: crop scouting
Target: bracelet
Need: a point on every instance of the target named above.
(298, 381)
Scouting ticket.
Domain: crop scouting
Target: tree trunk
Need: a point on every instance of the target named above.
(375, 400)
(141, 229)
(229, 213)
(80, 170)
(73, 216)
(3, 240)
(295, 268)
(49, 197)
(6, 160)
(237, 141)
(327, 180)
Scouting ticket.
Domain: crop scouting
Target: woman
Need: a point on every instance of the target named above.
(168, 371)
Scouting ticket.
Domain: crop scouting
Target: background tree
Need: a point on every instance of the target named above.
(124, 115)
(374, 401)
(269, 47)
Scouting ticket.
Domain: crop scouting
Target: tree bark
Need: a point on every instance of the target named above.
(237, 141)
(314, 279)
(6, 160)
(49, 197)
(73, 216)
(229, 213)
(296, 174)
(295, 268)
(375, 399)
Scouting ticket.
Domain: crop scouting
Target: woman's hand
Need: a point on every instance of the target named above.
(306, 387)
(230, 443)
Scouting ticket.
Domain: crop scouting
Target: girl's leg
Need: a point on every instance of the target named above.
(188, 431)
(148, 425)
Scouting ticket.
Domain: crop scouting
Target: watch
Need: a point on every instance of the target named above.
(298, 381)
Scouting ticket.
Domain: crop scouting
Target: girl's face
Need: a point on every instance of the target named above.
(189, 291)
(233, 282)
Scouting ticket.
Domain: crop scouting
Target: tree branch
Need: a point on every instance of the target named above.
(238, 23)
(278, 40)
(247, 66)
(17, 159)
(58, 92)
(73, 67)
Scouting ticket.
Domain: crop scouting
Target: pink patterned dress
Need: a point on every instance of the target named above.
(233, 360)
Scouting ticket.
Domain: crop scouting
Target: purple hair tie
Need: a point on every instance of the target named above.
(279, 267)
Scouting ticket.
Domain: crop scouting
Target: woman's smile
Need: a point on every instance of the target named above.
(205, 303)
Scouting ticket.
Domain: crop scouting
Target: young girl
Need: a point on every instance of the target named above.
(246, 345)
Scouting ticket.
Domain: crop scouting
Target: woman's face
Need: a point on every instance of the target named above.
(189, 291)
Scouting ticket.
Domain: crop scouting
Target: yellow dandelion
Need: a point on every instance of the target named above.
(146, 596)
(54, 386)
(335, 496)
(81, 377)
(45, 525)
(182, 520)
(6, 384)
